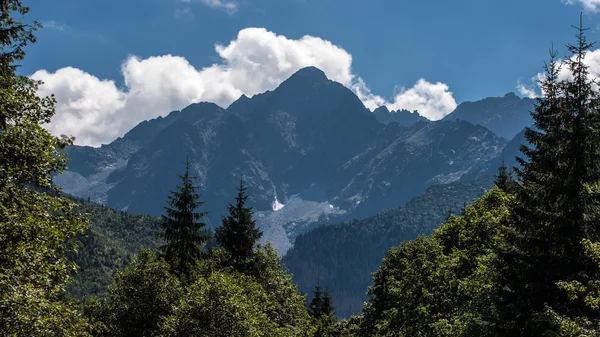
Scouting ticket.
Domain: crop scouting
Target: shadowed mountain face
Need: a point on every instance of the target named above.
(310, 152)
(505, 116)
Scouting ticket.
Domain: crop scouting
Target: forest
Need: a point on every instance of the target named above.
(523, 259)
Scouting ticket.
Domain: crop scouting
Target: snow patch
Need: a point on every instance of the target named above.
(277, 205)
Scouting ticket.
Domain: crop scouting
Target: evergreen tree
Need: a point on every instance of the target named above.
(553, 213)
(184, 233)
(504, 179)
(321, 304)
(238, 233)
(315, 308)
(327, 307)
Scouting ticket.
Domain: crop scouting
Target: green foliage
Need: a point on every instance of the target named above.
(37, 228)
(147, 299)
(289, 309)
(321, 303)
(226, 304)
(109, 245)
(437, 286)
(504, 179)
(238, 233)
(184, 234)
(554, 212)
(138, 299)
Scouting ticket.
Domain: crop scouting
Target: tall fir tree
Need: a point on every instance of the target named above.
(315, 308)
(504, 179)
(327, 307)
(238, 233)
(182, 229)
(552, 215)
(321, 303)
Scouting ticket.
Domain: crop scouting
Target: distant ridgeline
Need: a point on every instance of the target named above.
(343, 257)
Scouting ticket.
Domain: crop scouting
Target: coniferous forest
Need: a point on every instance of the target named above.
(523, 259)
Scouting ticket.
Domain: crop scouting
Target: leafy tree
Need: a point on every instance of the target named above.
(184, 234)
(227, 305)
(439, 285)
(238, 234)
(259, 302)
(140, 297)
(289, 308)
(554, 213)
(37, 228)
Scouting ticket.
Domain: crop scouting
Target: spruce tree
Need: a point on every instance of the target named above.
(184, 233)
(327, 307)
(315, 308)
(552, 215)
(504, 179)
(238, 234)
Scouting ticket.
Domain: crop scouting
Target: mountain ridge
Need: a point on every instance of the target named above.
(309, 143)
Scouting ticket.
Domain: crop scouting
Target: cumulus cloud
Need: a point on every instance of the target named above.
(588, 5)
(526, 91)
(432, 100)
(96, 111)
(533, 90)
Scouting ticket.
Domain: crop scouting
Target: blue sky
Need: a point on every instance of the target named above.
(475, 48)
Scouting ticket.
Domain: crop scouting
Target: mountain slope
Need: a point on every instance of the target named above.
(505, 116)
(342, 257)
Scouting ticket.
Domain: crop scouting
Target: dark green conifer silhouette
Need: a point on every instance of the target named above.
(238, 233)
(182, 230)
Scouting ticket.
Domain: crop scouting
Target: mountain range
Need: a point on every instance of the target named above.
(309, 151)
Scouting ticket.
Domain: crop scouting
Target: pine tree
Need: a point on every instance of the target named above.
(552, 216)
(504, 179)
(327, 307)
(184, 233)
(315, 308)
(238, 234)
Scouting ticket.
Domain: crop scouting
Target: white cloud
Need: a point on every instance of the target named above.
(229, 5)
(432, 100)
(588, 5)
(95, 111)
(592, 60)
(527, 91)
(54, 25)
